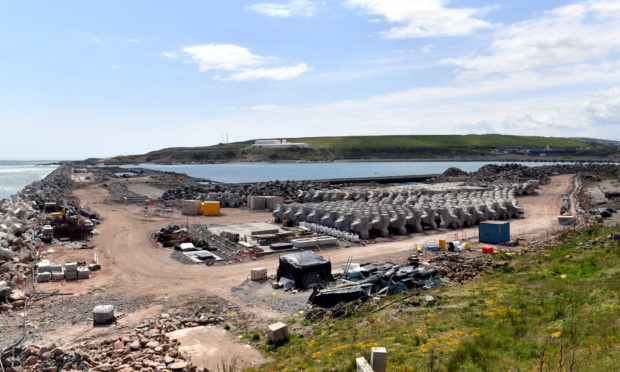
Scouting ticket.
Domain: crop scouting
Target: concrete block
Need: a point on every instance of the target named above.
(71, 275)
(54, 268)
(258, 274)
(378, 359)
(326, 240)
(362, 365)
(277, 332)
(58, 275)
(83, 273)
(71, 266)
(44, 277)
(304, 243)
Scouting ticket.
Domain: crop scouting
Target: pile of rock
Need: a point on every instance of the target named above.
(20, 224)
(235, 195)
(52, 188)
(459, 269)
(146, 348)
(10, 296)
(518, 172)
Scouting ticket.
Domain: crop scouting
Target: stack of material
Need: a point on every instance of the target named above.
(191, 207)
(376, 278)
(71, 271)
(264, 202)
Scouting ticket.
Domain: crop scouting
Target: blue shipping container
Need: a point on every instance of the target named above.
(494, 232)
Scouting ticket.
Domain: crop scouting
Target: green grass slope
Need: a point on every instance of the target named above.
(558, 310)
(366, 147)
(442, 141)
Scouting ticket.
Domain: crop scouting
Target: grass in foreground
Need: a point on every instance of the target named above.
(558, 310)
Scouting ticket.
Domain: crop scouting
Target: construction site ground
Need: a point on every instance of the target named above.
(139, 277)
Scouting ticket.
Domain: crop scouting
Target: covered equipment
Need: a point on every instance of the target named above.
(305, 268)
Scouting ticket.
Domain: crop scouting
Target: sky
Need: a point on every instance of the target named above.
(95, 78)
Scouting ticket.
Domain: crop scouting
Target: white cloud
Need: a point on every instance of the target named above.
(286, 9)
(575, 33)
(604, 108)
(276, 73)
(171, 55)
(428, 18)
(133, 40)
(115, 67)
(237, 63)
(427, 48)
(264, 107)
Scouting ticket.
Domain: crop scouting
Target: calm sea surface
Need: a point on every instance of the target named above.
(257, 172)
(14, 175)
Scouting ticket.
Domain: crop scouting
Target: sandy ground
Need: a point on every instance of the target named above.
(214, 347)
(133, 266)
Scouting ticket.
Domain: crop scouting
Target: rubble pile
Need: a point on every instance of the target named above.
(518, 172)
(146, 348)
(459, 269)
(235, 195)
(20, 226)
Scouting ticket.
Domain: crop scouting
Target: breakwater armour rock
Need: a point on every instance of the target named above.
(236, 195)
(518, 172)
(383, 212)
(20, 227)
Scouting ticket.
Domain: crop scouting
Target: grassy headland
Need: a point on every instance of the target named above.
(432, 147)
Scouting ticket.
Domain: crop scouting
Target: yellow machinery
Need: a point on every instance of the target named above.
(62, 213)
(180, 178)
(210, 208)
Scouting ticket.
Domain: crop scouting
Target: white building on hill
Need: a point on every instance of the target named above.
(276, 144)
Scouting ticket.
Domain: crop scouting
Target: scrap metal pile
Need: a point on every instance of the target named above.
(375, 279)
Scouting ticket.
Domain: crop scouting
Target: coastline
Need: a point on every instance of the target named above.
(377, 160)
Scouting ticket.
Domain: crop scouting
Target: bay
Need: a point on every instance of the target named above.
(261, 172)
(15, 174)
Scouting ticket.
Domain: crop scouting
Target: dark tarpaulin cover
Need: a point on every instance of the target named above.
(305, 268)
(331, 297)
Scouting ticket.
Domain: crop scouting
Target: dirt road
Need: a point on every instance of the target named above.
(133, 265)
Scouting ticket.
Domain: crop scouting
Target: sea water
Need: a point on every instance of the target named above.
(15, 174)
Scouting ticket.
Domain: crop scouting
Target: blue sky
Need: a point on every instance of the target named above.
(102, 78)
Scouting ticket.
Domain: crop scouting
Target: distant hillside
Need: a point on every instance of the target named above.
(465, 147)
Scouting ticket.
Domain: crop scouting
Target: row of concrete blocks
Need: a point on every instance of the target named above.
(400, 195)
(80, 273)
(361, 218)
(339, 234)
(48, 271)
(319, 241)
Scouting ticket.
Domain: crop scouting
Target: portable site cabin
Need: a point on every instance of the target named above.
(304, 268)
(494, 232)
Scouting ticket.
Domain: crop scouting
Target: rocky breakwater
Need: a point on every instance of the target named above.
(20, 226)
(518, 172)
(235, 195)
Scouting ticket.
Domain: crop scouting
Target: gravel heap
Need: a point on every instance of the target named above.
(518, 172)
(287, 189)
